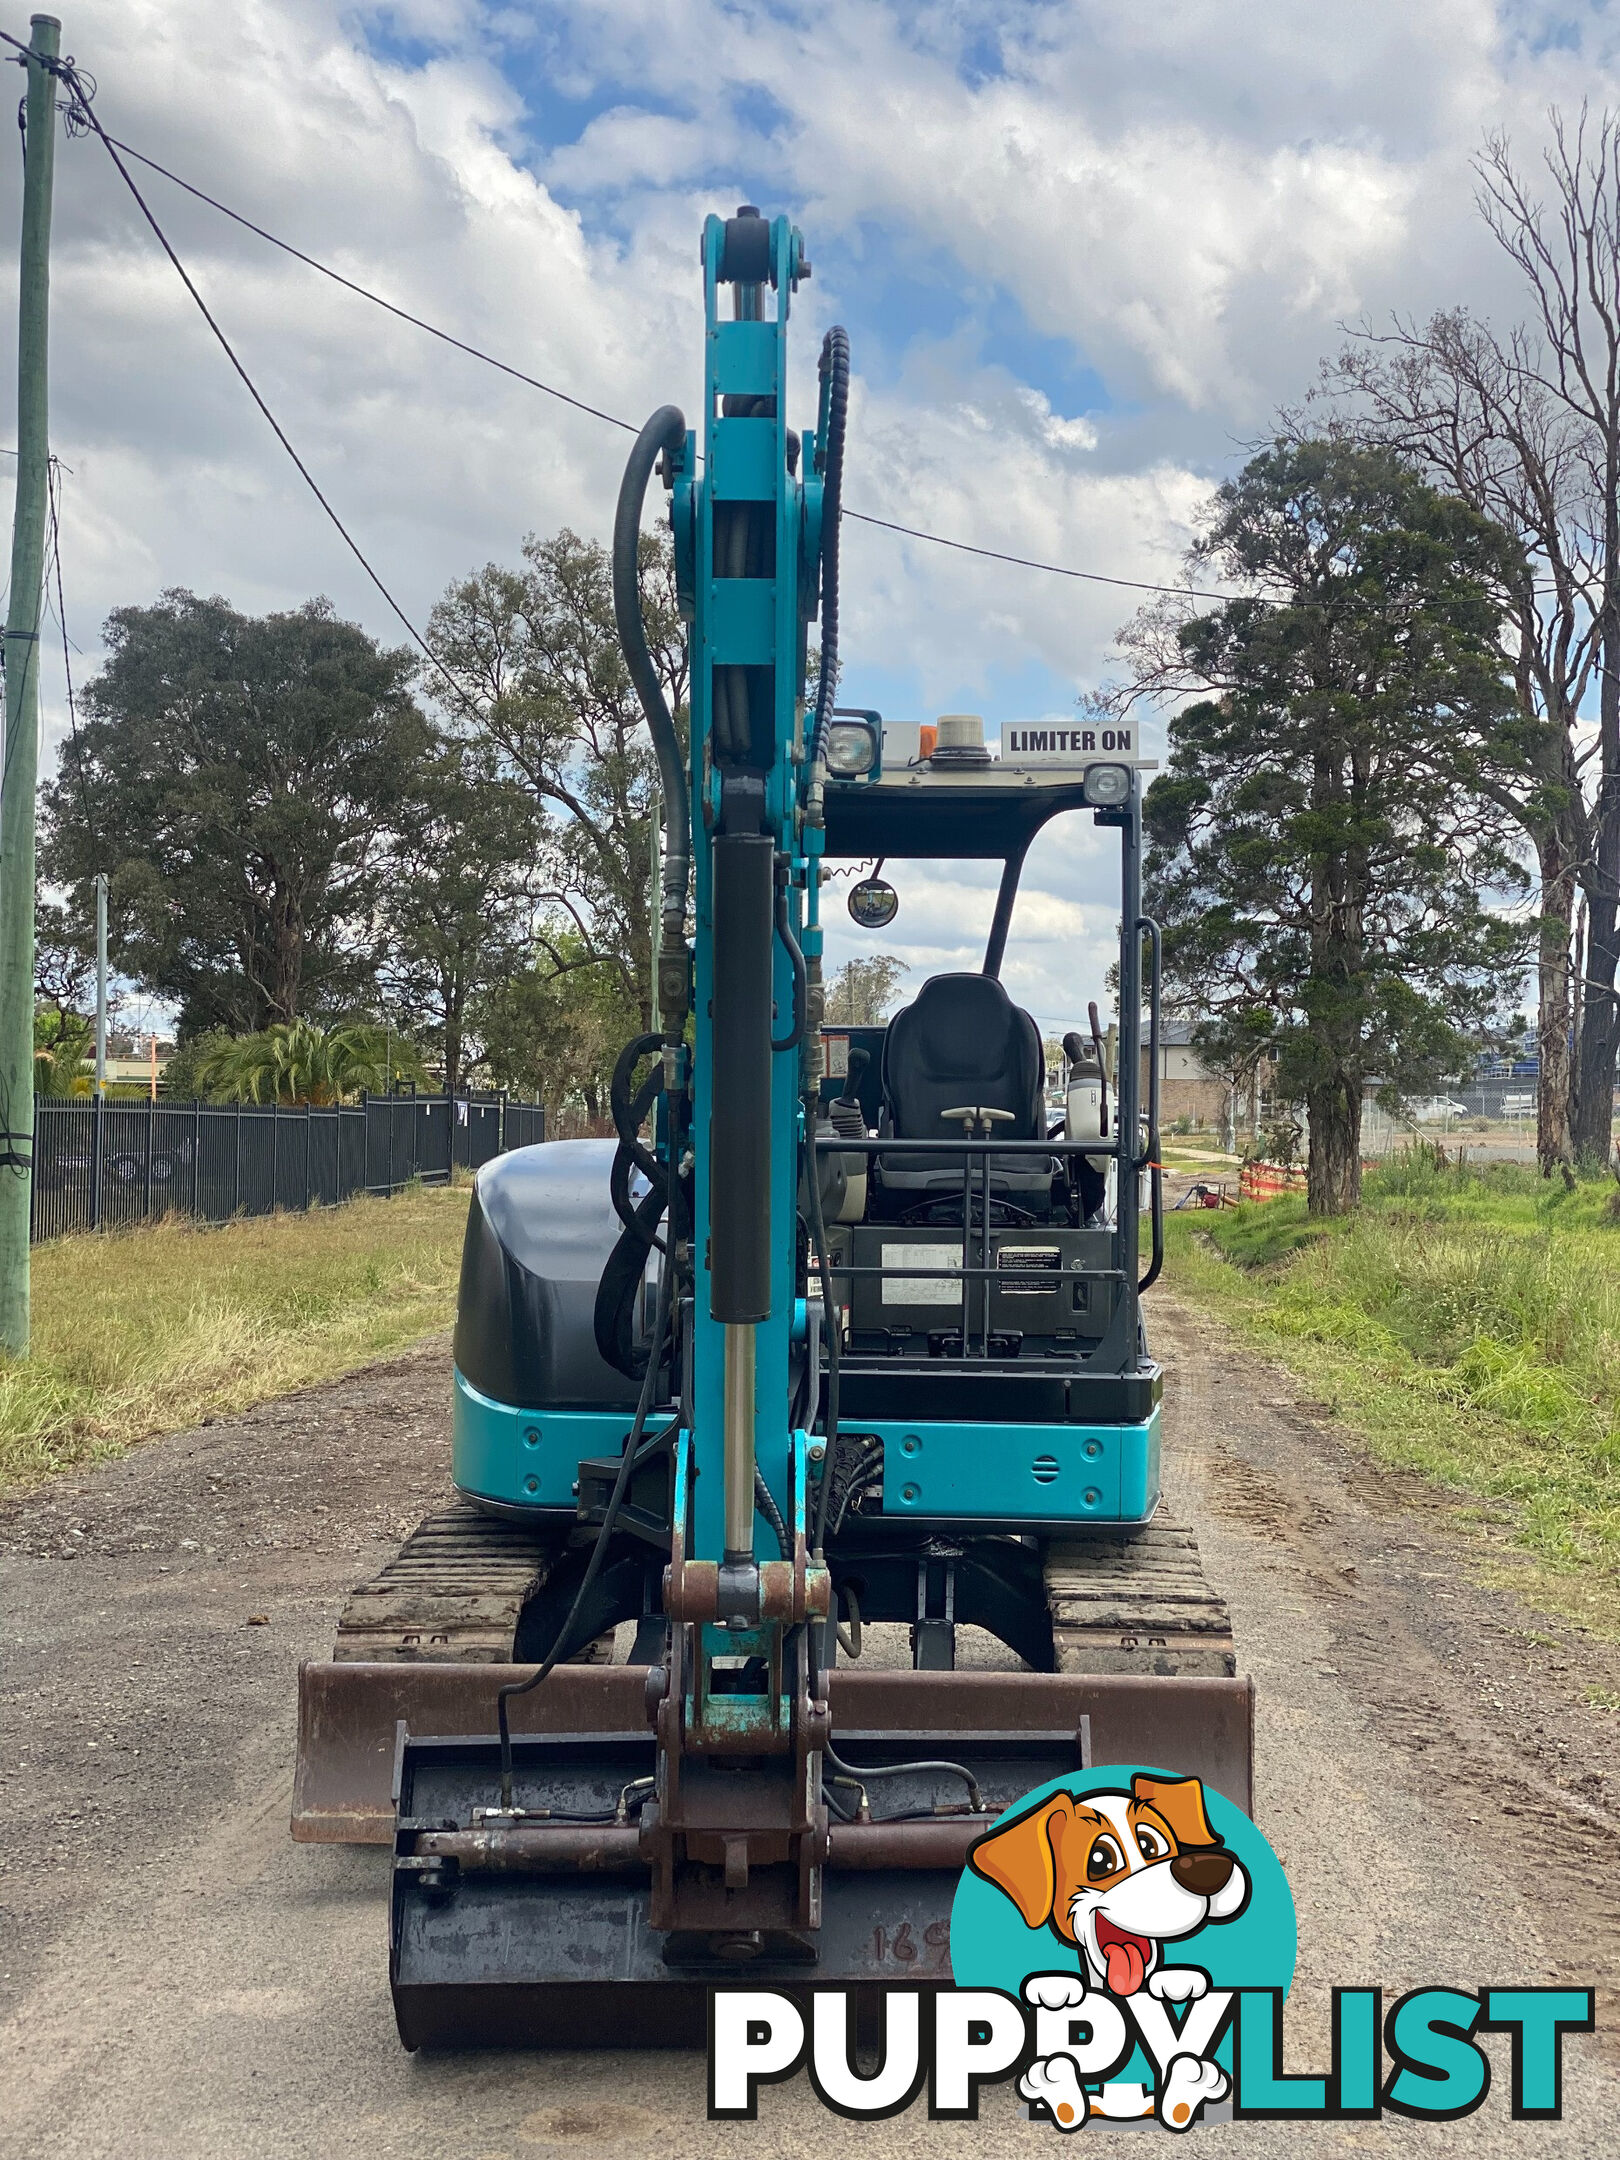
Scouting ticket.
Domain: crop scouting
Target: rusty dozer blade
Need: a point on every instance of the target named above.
(534, 1931)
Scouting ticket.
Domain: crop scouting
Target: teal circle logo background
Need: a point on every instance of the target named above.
(991, 1947)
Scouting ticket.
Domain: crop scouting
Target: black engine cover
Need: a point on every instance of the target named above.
(539, 1232)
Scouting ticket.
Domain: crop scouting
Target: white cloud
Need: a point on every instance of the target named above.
(1185, 200)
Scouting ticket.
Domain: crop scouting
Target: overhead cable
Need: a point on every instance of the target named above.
(67, 73)
(596, 412)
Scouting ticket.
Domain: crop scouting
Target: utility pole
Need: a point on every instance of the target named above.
(21, 760)
(101, 985)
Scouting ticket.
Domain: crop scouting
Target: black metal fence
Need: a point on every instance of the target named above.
(100, 1167)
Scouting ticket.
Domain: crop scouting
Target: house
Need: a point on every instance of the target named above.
(1189, 1089)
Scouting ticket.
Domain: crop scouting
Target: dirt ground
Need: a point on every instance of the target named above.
(178, 1980)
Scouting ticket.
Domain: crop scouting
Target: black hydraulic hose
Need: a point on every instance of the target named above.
(801, 979)
(911, 1769)
(829, 1332)
(664, 432)
(610, 1516)
(765, 1501)
(628, 1111)
(830, 457)
(857, 1481)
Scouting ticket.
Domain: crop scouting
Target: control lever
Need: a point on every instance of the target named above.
(975, 1114)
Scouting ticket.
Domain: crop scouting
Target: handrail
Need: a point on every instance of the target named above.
(838, 1144)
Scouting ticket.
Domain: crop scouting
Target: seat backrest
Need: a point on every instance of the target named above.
(963, 1040)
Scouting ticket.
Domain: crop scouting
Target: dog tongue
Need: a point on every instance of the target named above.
(1126, 1965)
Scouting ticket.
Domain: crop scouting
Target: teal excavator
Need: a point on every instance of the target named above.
(804, 1362)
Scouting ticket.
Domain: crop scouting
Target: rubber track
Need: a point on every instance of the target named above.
(453, 1591)
(1137, 1604)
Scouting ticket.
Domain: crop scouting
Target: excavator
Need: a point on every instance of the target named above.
(797, 1364)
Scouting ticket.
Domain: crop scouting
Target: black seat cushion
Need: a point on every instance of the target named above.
(962, 1040)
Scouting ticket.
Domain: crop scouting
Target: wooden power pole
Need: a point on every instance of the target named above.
(19, 773)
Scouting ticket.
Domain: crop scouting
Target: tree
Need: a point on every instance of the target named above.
(64, 967)
(862, 991)
(1570, 262)
(62, 1044)
(1466, 404)
(1321, 856)
(238, 779)
(539, 652)
(555, 1029)
(455, 906)
(297, 1061)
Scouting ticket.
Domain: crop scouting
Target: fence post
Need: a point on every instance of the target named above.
(196, 1155)
(393, 1119)
(97, 1162)
(236, 1179)
(151, 1143)
(308, 1194)
(275, 1151)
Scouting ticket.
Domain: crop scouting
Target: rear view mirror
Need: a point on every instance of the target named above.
(874, 904)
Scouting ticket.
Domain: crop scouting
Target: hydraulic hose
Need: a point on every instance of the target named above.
(665, 431)
(818, 1234)
(599, 1551)
(790, 945)
(830, 457)
(613, 1316)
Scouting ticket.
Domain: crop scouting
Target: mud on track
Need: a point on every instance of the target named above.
(177, 1979)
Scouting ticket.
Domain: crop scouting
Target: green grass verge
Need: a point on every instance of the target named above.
(150, 1329)
(1466, 1323)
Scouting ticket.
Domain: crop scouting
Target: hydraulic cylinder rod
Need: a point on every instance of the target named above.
(739, 1442)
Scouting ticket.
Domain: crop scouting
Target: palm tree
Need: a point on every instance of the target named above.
(299, 1061)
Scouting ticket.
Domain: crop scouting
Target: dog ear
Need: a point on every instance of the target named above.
(1181, 1802)
(1020, 1859)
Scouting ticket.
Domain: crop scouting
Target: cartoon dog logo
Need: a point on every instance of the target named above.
(1116, 1875)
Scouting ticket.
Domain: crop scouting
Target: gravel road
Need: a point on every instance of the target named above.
(178, 1980)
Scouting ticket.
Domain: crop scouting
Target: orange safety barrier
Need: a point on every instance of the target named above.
(1265, 1181)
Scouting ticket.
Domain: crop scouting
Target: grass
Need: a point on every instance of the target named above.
(1466, 1323)
(150, 1329)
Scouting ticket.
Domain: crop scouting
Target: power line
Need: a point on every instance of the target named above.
(54, 485)
(377, 300)
(66, 73)
(1026, 562)
(474, 352)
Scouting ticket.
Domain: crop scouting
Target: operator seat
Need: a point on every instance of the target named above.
(962, 1041)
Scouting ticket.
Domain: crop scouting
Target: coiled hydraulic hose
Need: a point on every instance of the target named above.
(613, 1316)
(830, 458)
(665, 431)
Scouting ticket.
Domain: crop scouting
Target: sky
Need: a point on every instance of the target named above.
(1084, 253)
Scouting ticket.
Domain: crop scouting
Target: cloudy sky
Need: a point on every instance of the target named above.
(1084, 251)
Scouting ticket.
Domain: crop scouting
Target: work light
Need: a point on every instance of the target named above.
(1106, 785)
(851, 748)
